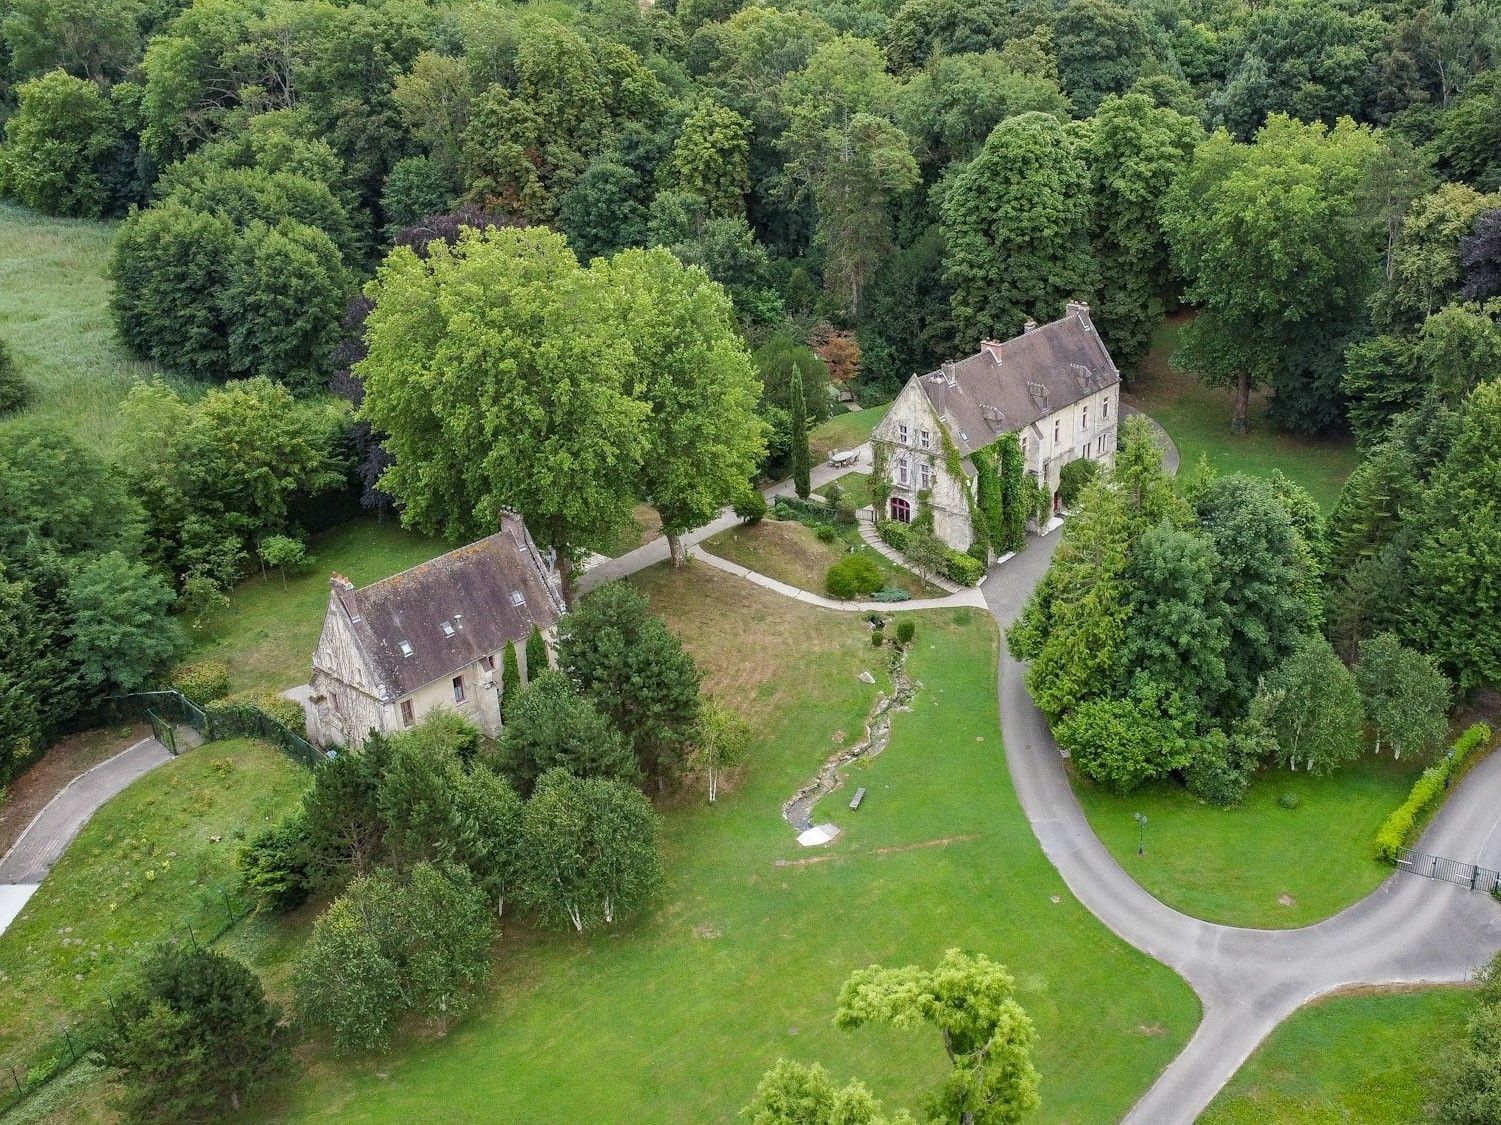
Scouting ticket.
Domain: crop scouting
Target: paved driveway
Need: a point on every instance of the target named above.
(1408, 930)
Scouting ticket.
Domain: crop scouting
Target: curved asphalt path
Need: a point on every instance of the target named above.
(1408, 930)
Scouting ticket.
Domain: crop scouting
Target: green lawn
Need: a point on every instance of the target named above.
(54, 317)
(1235, 865)
(856, 486)
(1366, 1058)
(155, 859)
(268, 632)
(1198, 419)
(675, 1018)
(844, 431)
(791, 552)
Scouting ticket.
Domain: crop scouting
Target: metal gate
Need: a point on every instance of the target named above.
(162, 731)
(1449, 870)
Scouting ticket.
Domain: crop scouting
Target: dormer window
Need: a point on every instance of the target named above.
(406, 648)
(903, 434)
(518, 598)
(924, 439)
(447, 629)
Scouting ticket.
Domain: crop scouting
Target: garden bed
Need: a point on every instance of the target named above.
(792, 552)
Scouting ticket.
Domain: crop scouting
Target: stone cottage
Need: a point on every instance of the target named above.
(431, 637)
(1054, 386)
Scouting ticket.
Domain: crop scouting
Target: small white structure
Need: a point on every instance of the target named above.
(1054, 386)
(818, 834)
(431, 637)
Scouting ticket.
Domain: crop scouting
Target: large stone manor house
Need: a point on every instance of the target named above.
(1054, 386)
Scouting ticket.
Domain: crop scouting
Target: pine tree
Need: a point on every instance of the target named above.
(801, 458)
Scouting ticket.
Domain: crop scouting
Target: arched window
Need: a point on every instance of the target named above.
(901, 510)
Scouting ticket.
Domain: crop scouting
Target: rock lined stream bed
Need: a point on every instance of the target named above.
(798, 811)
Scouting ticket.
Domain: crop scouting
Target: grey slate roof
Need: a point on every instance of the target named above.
(471, 590)
(1008, 386)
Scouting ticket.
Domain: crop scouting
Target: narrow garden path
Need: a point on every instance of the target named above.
(50, 832)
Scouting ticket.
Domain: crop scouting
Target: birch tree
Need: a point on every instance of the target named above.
(1312, 705)
(1406, 697)
(719, 746)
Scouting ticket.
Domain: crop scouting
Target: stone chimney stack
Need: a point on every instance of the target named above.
(1029, 326)
(992, 348)
(337, 581)
(1079, 309)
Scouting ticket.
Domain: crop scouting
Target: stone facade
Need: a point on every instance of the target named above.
(1054, 386)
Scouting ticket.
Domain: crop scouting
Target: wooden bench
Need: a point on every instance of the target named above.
(857, 798)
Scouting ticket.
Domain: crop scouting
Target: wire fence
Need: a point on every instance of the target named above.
(221, 719)
(20, 1078)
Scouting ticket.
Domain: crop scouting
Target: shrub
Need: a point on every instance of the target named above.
(905, 631)
(893, 534)
(825, 533)
(1396, 831)
(15, 391)
(1073, 478)
(751, 508)
(962, 569)
(877, 637)
(1289, 801)
(275, 867)
(203, 681)
(853, 576)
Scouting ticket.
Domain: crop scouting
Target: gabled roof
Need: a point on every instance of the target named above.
(439, 617)
(1008, 386)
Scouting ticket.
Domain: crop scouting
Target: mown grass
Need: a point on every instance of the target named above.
(674, 1018)
(792, 553)
(844, 431)
(855, 486)
(54, 317)
(153, 861)
(267, 632)
(1198, 420)
(1236, 865)
(1367, 1058)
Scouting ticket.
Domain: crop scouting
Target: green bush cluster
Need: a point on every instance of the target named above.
(1073, 478)
(957, 566)
(751, 508)
(853, 576)
(1396, 831)
(260, 716)
(203, 681)
(905, 631)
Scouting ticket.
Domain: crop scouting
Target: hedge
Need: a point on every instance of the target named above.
(1397, 830)
(957, 566)
(280, 721)
(202, 682)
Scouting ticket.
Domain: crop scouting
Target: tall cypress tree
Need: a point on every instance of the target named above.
(510, 681)
(801, 458)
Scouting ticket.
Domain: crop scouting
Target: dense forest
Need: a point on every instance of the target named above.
(876, 186)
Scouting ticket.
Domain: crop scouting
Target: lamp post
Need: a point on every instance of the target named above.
(1141, 834)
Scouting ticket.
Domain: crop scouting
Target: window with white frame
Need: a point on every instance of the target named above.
(1085, 422)
(1105, 410)
(903, 435)
(924, 475)
(903, 471)
(407, 718)
(1099, 446)
(1057, 431)
(924, 439)
(458, 689)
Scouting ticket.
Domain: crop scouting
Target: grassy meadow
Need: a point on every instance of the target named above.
(673, 1018)
(1198, 420)
(1366, 1057)
(54, 317)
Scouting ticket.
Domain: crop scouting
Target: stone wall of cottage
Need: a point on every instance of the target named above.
(911, 433)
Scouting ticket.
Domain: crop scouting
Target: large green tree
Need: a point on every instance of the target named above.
(550, 725)
(711, 157)
(1312, 705)
(1406, 697)
(689, 365)
(193, 1039)
(1280, 252)
(1016, 224)
(58, 142)
(497, 374)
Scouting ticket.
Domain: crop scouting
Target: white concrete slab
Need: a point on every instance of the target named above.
(13, 897)
(818, 834)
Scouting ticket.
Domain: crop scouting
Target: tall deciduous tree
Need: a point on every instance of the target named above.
(1134, 150)
(689, 364)
(589, 851)
(711, 157)
(120, 633)
(1312, 706)
(1016, 226)
(1280, 253)
(57, 143)
(971, 1002)
(1406, 697)
(495, 371)
(720, 745)
(793, 1094)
